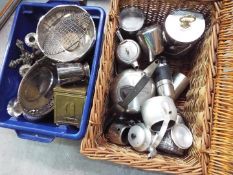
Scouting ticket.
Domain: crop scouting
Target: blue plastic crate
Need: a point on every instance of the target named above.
(25, 21)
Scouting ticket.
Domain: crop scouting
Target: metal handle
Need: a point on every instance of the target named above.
(34, 136)
(118, 33)
(158, 138)
(187, 20)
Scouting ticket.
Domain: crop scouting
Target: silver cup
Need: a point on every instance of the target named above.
(72, 72)
(182, 136)
(131, 20)
(151, 40)
(180, 82)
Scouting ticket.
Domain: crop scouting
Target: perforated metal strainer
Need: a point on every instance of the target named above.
(66, 33)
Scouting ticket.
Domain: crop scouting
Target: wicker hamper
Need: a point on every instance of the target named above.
(207, 104)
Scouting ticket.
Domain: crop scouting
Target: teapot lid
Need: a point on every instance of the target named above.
(185, 26)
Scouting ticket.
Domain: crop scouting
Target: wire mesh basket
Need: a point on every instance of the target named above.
(71, 30)
(198, 103)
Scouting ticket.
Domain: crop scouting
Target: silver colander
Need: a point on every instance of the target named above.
(66, 33)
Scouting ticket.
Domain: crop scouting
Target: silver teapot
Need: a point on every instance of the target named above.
(126, 81)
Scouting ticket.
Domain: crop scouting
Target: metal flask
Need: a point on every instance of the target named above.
(126, 81)
(128, 51)
(151, 40)
(163, 79)
(182, 29)
(131, 20)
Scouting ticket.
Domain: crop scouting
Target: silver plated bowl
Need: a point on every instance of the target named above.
(35, 92)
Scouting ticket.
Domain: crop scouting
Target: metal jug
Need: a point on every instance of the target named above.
(151, 40)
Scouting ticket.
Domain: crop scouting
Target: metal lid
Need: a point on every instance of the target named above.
(128, 51)
(185, 26)
(131, 19)
(182, 136)
(139, 137)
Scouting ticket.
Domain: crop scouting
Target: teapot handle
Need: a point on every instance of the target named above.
(158, 138)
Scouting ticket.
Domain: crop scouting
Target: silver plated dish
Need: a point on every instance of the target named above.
(35, 92)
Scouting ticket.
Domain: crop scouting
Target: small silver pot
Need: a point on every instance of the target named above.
(128, 51)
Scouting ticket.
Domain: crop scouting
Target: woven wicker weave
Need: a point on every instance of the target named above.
(221, 150)
(197, 104)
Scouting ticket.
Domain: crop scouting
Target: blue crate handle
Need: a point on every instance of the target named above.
(65, 1)
(34, 136)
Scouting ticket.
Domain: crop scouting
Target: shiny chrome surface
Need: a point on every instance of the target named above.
(151, 40)
(72, 72)
(182, 136)
(156, 110)
(128, 51)
(165, 88)
(163, 79)
(30, 40)
(182, 26)
(179, 119)
(35, 92)
(13, 108)
(125, 82)
(66, 33)
(131, 19)
(180, 83)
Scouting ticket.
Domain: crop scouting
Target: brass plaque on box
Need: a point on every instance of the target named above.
(69, 103)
